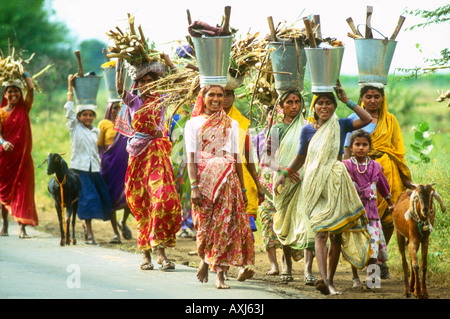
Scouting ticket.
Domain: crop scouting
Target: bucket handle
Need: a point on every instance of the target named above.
(357, 27)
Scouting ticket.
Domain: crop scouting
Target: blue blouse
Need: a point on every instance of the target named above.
(308, 131)
(369, 128)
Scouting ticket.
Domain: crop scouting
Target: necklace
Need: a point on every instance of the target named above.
(366, 164)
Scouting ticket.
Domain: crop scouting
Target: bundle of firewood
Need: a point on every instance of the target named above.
(131, 46)
(247, 53)
(12, 69)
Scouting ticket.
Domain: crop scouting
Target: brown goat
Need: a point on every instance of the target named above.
(414, 220)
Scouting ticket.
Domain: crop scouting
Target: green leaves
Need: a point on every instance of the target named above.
(423, 144)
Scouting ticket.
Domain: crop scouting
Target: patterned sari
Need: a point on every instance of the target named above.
(327, 201)
(224, 237)
(16, 167)
(150, 182)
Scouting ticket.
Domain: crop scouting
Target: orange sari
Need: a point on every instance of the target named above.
(150, 182)
(17, 167)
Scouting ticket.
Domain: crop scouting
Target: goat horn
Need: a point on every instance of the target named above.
(61, 154)
(432, 184)
(46, 160)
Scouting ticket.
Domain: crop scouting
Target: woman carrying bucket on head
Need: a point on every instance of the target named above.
(150, 183)
(328, 206)
(94, 201)
(374, 58)
(224, 236)
(114, 157)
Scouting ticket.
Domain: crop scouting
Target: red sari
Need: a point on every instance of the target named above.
(150, 181)
(16, 167)
(224, 236)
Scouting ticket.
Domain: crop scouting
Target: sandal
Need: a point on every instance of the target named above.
(126, 231)
(286, 277)
(147, 266)
(167, 265)
(310, 280)
(115, 240)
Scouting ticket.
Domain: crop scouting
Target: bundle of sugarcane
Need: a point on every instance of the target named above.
(247, 53)
(131, 46)
(11, 69)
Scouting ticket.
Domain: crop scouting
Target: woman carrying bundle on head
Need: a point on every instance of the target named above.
(280, 149)
(16, 163)
(224, 236)
(328, 205)
(150, 183)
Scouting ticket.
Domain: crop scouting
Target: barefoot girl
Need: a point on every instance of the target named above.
(368, 177)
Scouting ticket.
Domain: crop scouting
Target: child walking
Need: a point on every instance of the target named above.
(94, 201)
(367, 176)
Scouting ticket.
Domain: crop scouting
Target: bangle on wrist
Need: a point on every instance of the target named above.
(2, 141)
(243, 190)
(25, 74)
(194, 186)
(193, 181)
(285, 173)
(351, 105)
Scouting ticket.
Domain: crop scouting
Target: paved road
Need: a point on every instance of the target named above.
(38, 268)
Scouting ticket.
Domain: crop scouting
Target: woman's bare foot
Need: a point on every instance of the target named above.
(23, 232)
(220, 281)
(245, 273)
(202, 272)
(4, 230)
(356, 283)
(273, 271)
(333, 290)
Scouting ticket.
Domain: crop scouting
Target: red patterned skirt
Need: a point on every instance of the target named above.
(152, 196)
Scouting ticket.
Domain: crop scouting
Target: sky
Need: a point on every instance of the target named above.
(165, 22)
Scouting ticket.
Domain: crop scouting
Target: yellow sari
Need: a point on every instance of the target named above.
(389, 151)
(252, 191)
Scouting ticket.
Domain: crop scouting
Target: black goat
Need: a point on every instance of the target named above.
(65, 189)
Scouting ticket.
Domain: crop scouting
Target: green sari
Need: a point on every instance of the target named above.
(325, 201)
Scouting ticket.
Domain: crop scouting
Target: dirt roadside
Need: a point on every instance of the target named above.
(185, 253)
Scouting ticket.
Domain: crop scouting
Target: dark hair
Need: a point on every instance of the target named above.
(285, 95)
(329, 95)
(360, 133)
(369, 87)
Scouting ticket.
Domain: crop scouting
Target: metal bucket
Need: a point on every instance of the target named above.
(86, 89)
(324, 67)
(213, 58)
(374, 58)
(109, 74)
(285, 58)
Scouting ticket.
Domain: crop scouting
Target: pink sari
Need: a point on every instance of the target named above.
(224, 237)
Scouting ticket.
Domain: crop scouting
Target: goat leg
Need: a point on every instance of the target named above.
(401, 247)
(68, 229)
(414, 245)
(424, 267)
(74, 218)
(61, 225)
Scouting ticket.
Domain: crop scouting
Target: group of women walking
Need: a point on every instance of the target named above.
(306, 194)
